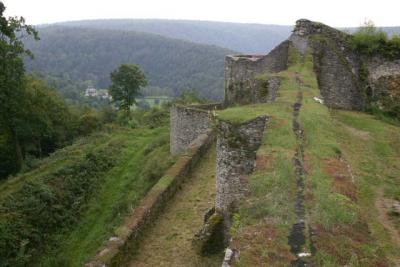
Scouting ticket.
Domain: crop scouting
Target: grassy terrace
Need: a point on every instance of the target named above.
(128, 162)
(169, 241)
(353, 167)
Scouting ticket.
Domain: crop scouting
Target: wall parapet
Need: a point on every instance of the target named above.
(187, 123)
(113, 253)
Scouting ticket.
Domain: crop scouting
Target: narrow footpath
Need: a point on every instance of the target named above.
(299, 242)
(169, 241)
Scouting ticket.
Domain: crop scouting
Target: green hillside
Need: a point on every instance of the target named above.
(242, 37)
(59, 213)
(246, 38)
(78, 54)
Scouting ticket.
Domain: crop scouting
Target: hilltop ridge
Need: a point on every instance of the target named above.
(289, 170)
(301, 173)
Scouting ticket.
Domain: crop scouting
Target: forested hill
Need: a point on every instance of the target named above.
(172, 65)
(242, 37)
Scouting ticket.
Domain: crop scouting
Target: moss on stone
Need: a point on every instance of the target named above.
(210, 239)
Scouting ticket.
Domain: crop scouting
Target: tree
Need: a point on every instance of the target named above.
(12, 82)
(48, 120)
(127, 81)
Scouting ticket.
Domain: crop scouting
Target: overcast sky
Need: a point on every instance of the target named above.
(285, 12)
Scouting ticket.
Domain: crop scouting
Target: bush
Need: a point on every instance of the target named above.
(89, 122)
(31, 216)
(370, 41)
(190, 97)
(155, 117)
(108, 114)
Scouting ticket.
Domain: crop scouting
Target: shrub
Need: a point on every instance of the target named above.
(190, 97)
(89, 122)
(369, 40)
(155, 117)
(108, 114)
(32, 215)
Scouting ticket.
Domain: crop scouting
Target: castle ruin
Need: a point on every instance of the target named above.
(251, 79)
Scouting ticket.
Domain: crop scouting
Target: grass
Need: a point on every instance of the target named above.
(169, 241)
(375, 160)
(119, 190)
(124, 186)
(153, 101)
(348, 157)
(268, 213)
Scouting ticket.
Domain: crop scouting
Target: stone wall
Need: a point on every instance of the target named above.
(384, 82)
(236, 153)
(338, 77)
(241, 85)
(270, 91)
(115, 251)
(187, 123)
(237, 146)
(336, 65)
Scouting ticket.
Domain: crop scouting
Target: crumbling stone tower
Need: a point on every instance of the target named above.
(242, 82)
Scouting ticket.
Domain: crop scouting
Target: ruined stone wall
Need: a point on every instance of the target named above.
(187, 123)
(241, 85)
(336, 65)
(269, 90)
(383, 84)
(383, 78)
(338, 77)
(236, 153)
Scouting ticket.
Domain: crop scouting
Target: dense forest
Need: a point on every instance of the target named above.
(245, 38)
(242, 37)
(71, 58)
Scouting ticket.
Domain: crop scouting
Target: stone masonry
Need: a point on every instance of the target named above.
(236, 153)
(186, 125)
(335, 63)
(241, 71)
(384, 82)
(338, 67)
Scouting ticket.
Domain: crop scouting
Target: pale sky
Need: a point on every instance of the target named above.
(338, 13)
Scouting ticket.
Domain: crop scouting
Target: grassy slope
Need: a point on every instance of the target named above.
(120, 189)
(168, 242)
(349, 156)
(124, 186)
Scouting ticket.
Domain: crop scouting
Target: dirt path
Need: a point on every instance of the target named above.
(168, 242)
(383, 206)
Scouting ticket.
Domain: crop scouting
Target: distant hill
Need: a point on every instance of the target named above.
(241, 37)
(171, 65)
